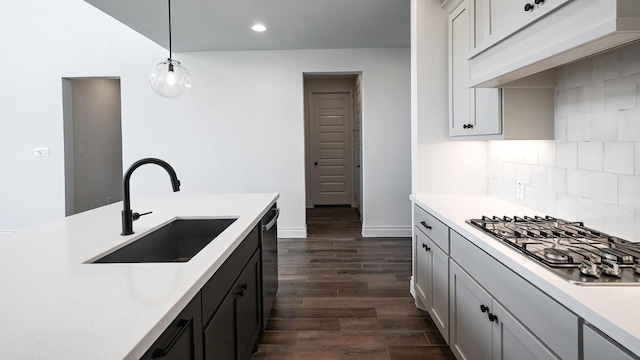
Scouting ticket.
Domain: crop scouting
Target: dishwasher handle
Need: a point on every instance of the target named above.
(272, 222)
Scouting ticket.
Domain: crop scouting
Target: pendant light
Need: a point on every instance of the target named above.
(169, 78)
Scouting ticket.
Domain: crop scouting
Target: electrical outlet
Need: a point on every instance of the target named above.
(39, 152)
(520, 189)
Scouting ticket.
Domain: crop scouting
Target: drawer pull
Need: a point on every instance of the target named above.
(424, 223)
(493, 318)
(243, 288)
(484, 308)
(528, 7)
(183, 324)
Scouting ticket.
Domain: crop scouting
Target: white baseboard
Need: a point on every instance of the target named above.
(386, 231)
(292, 232)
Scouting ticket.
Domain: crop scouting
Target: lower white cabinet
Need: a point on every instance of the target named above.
(597, 347)
(432, 280)
(482, 329)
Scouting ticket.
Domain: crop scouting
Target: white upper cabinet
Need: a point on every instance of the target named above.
(522, 110)
(516, 38)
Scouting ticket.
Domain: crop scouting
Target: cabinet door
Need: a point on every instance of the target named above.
(512, 341)
(248, 311)
(470, 336)
(182, 340)
(597, 347)
(423, 268)
(459, 92)
(439, 308)
(220, 340)
(471, 111)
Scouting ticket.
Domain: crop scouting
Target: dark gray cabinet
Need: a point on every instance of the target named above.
(233, 331)
(224, 320)
(182, 340)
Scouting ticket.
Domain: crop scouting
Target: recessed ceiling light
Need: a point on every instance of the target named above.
(259, 28)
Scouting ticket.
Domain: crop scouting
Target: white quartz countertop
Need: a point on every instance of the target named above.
(615, 310)
(55, 305)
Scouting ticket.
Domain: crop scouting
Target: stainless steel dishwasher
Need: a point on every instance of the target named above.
(269, 241)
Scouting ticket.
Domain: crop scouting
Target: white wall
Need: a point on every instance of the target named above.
(439, 166)
(591, 172)
(240, 129)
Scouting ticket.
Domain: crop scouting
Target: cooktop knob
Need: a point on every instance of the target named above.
(610, 268)
(589, 268)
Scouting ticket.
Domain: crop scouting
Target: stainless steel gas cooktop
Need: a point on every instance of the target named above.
(571, 250)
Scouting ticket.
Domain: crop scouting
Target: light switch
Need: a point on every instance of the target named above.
(40, 152)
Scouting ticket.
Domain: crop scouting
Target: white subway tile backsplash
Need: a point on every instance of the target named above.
(620, 93)
(567, 102)
(560, 128)
(557, 179)
(578, 127)
(578, 183)
(618, 157)
(630, 59)
(591, 171)
(603, 187)
(606, 66)
(509, 172)
(581, 73)
(629, 191)
(629, 125)
(619, 221)
(547, 202)
(539, 177)
(530, 152)
(603, 126)
(567, 155)
(591, 98)
(590, 156)
(547, 153)
(591, 213)
(523, 173)
(567, 207)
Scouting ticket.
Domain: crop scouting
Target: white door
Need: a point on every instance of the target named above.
(330, 148)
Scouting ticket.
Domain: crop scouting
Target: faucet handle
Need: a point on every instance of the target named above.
(136, 215)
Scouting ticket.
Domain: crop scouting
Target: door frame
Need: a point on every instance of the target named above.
(308, 89)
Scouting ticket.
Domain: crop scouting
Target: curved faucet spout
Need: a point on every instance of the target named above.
(127, 215)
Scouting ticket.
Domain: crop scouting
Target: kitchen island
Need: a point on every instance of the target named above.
(56, 304)
(613, 310)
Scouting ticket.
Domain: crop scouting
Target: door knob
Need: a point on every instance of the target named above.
(315, 163)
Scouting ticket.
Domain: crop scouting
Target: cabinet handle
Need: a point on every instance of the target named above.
(538, 2)
(528, 7)
(467, 126)
(183, 324)
(424, 246)
(484, 308)
(243, 288)
(493, 318)
(424, 223)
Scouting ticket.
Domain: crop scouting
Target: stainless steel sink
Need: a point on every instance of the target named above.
(178, 241)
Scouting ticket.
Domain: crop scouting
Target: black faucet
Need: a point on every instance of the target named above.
(128, 217)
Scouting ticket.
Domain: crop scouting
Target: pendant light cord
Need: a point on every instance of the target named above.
(170, 30)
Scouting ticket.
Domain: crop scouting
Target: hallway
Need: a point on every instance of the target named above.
(342, 296)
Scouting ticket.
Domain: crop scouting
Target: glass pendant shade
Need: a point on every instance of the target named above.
(170, 79)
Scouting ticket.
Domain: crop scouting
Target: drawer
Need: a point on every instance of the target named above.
(432, 227)
(551, 322)
(216, 289)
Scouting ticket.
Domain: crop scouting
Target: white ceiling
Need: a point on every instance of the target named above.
(212, 25)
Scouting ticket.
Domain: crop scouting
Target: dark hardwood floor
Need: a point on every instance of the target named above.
(342, 296)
